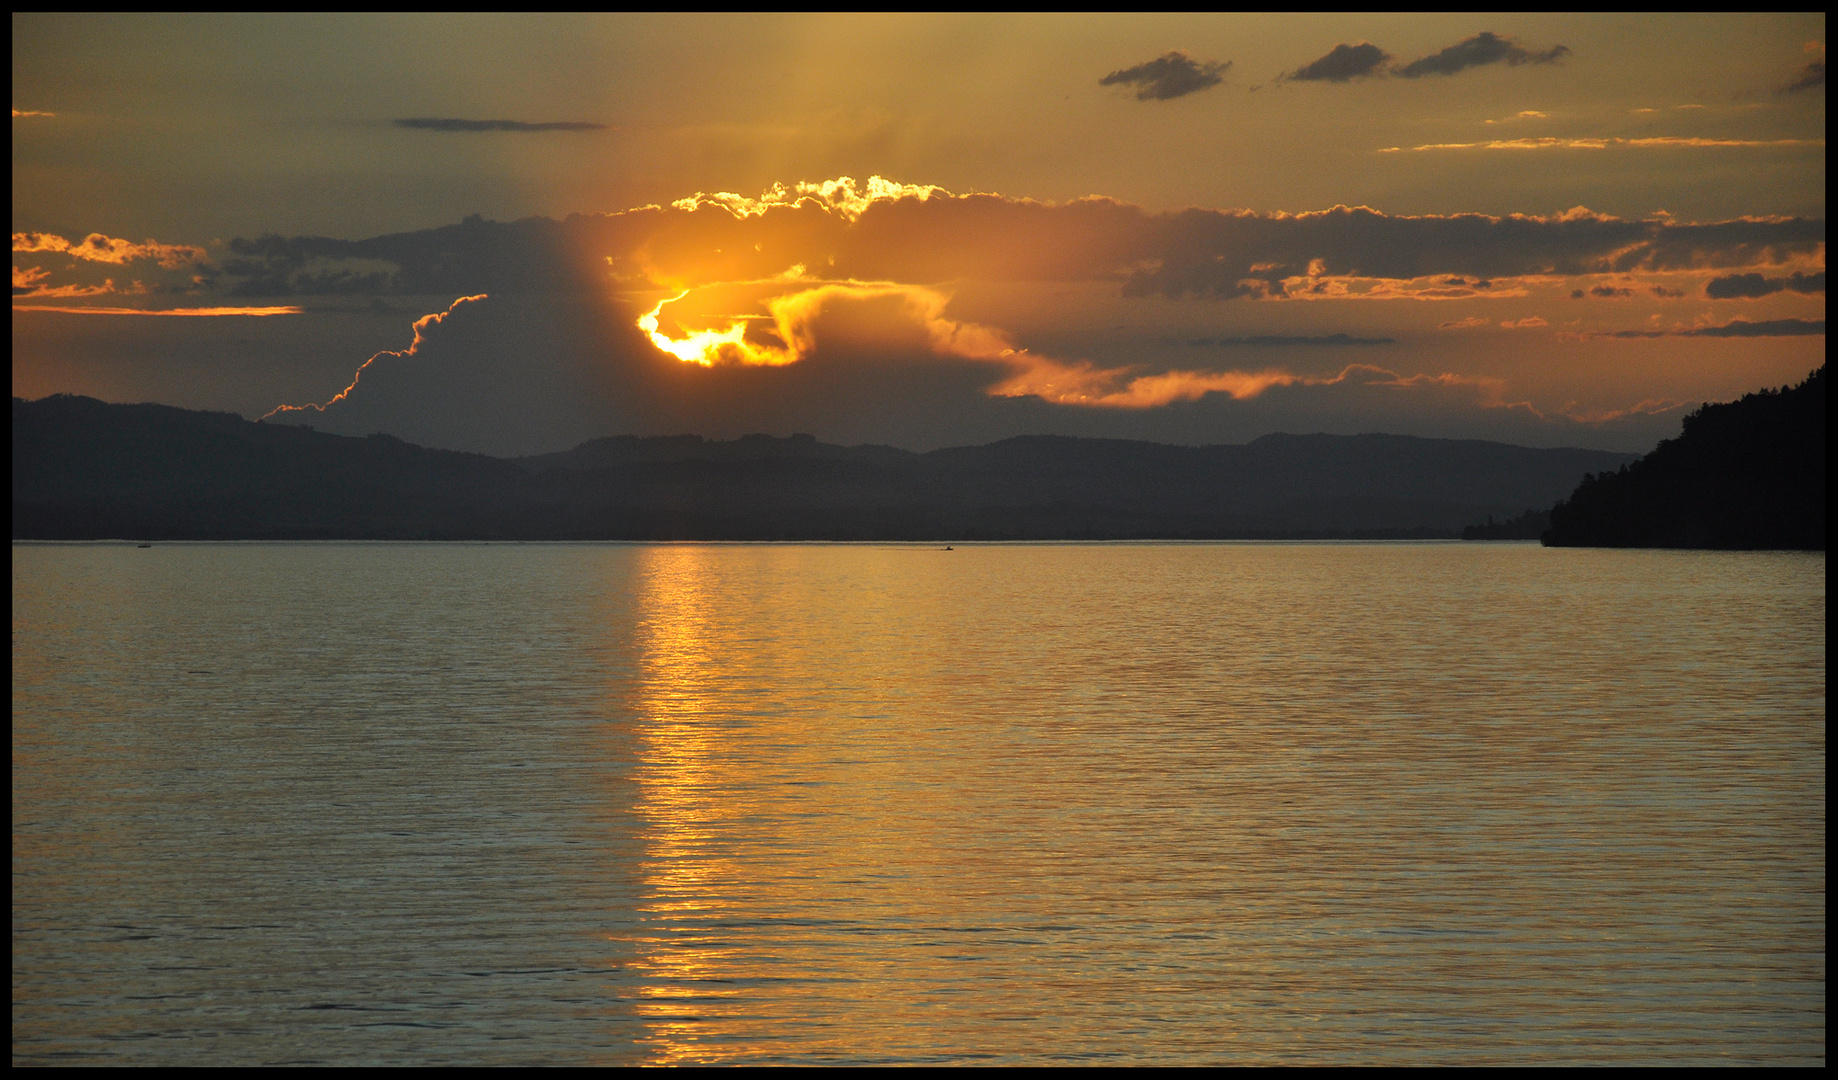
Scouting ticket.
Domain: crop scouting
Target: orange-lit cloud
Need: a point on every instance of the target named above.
(1650, 407)
(422, 326)
(1083, 384)
(21, 113)
(63, 292)
(190, 311)
(99, 248)
(1429, 287)
(1523, 114)
(30, 283)
(842, 196)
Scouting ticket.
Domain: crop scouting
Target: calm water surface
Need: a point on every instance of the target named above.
(1008, 804)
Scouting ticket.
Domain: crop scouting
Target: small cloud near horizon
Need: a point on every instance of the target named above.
(1813, 74)
(1478, 51)
(431, 123)
(1169, 76)
(1735, 328)
(1278, 341)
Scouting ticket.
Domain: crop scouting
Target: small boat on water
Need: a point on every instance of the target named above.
(143, 545)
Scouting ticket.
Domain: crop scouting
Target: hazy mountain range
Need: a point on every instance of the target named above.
(83, 469)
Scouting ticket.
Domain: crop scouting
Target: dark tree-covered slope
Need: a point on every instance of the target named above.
(1747, 474)
(83, 469)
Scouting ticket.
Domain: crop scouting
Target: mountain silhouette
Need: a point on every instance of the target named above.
(83, 469)
(1747, 474)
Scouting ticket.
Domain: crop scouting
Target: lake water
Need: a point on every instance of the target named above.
(1160, 803)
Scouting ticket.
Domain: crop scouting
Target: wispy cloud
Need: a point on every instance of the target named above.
(99, 248)
(1523, 114)
(1272, 341)
(1085, 385)
(423, 327)
(1482, 49)
(1168, 76)
(1648, 407)
(434, 123)
(1550, 143)
(33, 281)
(23, 113)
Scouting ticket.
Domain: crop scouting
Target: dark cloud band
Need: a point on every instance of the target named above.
(1755, 286)
(430, 123)
(1194, 252)
(1770, 328)
(1738, 328)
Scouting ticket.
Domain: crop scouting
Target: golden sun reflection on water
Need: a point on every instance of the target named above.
(1180, 804)
(770, 907)
(681, 748)
(1194, 804)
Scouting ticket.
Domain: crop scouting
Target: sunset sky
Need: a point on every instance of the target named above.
(921, 230)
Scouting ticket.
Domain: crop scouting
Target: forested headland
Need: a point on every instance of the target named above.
(1747, 474)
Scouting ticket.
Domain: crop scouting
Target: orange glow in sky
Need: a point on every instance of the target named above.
(794, 315)
(73, 310)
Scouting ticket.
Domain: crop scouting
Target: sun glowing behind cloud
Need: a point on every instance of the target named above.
(890, 311)
(793, 318)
